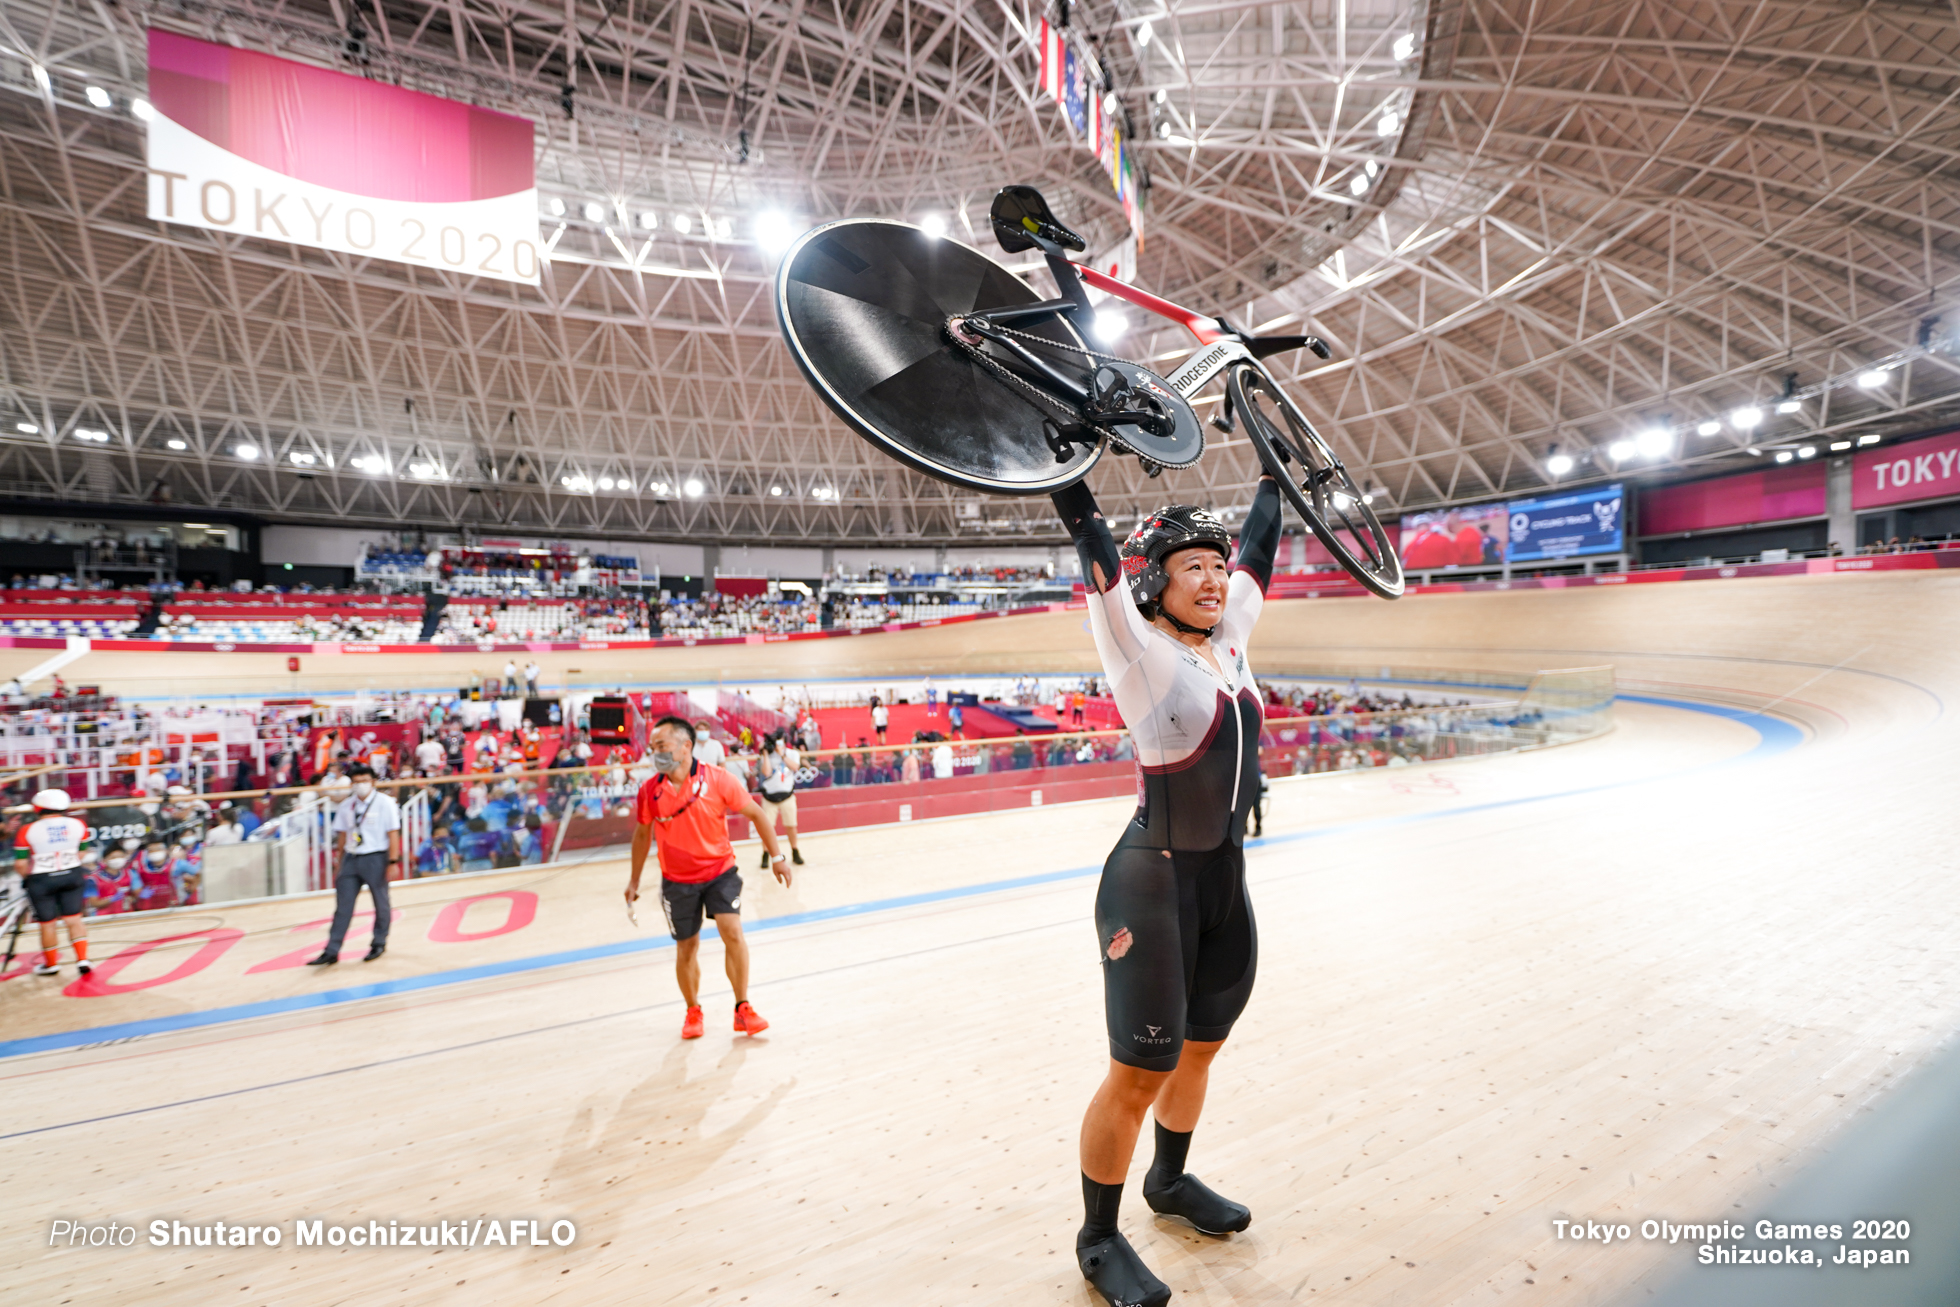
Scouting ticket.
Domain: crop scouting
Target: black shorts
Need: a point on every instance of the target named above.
(684, 904)
(1192, 952)
(57, 894)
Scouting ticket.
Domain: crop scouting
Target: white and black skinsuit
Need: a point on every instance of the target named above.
(1176, 878)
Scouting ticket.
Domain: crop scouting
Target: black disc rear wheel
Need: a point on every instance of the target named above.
(1314, 480)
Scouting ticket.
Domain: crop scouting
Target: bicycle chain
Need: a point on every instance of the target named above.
(1007, 374)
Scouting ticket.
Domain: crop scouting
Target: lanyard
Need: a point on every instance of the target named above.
(676, 814)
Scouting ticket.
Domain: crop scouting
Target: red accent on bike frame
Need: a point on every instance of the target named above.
(1204, 328)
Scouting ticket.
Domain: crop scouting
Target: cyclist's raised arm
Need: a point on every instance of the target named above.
(1120, 631)
(1258, 550)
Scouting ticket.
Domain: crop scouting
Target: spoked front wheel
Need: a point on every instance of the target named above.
(1314, 480)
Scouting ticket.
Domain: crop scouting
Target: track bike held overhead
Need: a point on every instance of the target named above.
(949, 363)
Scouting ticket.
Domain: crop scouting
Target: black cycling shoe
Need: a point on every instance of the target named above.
(1115, 1271)
(1190, 1198)
(796, 856)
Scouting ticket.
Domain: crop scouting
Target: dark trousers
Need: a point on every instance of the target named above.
(356, 870)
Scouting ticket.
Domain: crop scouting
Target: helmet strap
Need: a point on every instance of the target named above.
(1185, 627)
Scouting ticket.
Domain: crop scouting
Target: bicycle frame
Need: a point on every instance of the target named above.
(1201, 367)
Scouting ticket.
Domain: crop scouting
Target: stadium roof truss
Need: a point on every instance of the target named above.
(1521, 225)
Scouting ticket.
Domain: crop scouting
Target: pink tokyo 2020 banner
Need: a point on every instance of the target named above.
(260, 146)
(1907, 473)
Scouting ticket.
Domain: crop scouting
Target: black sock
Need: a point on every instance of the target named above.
(1168, 1165)
(1099, 1204)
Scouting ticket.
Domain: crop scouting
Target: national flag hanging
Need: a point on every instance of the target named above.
(1074, 81)
(1051, 61)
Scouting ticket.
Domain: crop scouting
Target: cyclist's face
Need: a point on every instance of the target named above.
(1196, 593)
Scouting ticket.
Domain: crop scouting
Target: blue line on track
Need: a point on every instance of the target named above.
(1774, 736)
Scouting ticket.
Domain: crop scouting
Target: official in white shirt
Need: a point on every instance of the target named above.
(367, 835)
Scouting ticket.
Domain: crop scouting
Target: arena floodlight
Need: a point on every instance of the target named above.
(302, 459)
(774, 232)
(247, 451)
(1404, 48)
(1807, 451)
(1654, 442)
(1389, 123)
(175, 444)
(141, 110)
(1869, 440)
(1839, 446)
(775, 490)
(650, 220)
(1709, 429)
(1783, 455)
(555, 207)
(693, 487)
(27, 428)
(1359, 186)
(594, 211)
(98, 97)
(1746, 417)
(1871, 380)
(1109, 327)
(1559, 464)
(1144, 33)
(605, 483)
(684, 224)
(1621, 450)
(1790, 406)
(933, 225)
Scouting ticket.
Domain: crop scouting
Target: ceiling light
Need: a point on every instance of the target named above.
(1789, 406)
(1143, 34)
(719, 228)
(97, 97)
(1709, 429)
(555, 207)
(594, 211)
(1654, 441)
(1783, 455)
(1358, 186)
(933, 225)
(427, 471)
(1368, 498)
(650, 220)
(1808, 451)
(775, 490)
(1405, 45)
(1111, 104)
(304, 460)
(373, 464)
(1341, 501)
(247, 451)
(1621, 450)
(1871, 380)
(659, 488)
(1162, 95)
(175, 444)
(27, 428)
(1389, 123)
(1746, 417)
(693, 487)
(141, 110)
(1109, 327)
(605, 483)
(774, 232)
(1869, 440)
(1559, 464)
(1371, 167)
(683, 224)
(1839, 446)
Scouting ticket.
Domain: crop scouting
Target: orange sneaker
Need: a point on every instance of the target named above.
(693, 1027)
(748, 1021)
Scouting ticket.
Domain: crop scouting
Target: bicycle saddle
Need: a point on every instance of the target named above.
(1020, 214)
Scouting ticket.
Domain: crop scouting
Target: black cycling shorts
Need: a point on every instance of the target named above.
(1186, 970)
(57, 894)
(685, 903)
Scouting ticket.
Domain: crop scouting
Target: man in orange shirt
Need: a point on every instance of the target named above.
(685, 808)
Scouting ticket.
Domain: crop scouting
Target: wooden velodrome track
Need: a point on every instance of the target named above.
(1642, 976)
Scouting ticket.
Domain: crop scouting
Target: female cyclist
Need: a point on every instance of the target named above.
(1173, 924)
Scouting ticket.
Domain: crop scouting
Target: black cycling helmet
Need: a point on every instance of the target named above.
(1157, 537)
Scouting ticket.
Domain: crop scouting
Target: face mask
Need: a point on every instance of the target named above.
(117, 864)
(702, 736)
(663, 762)
(364, 788)
(156, 857)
